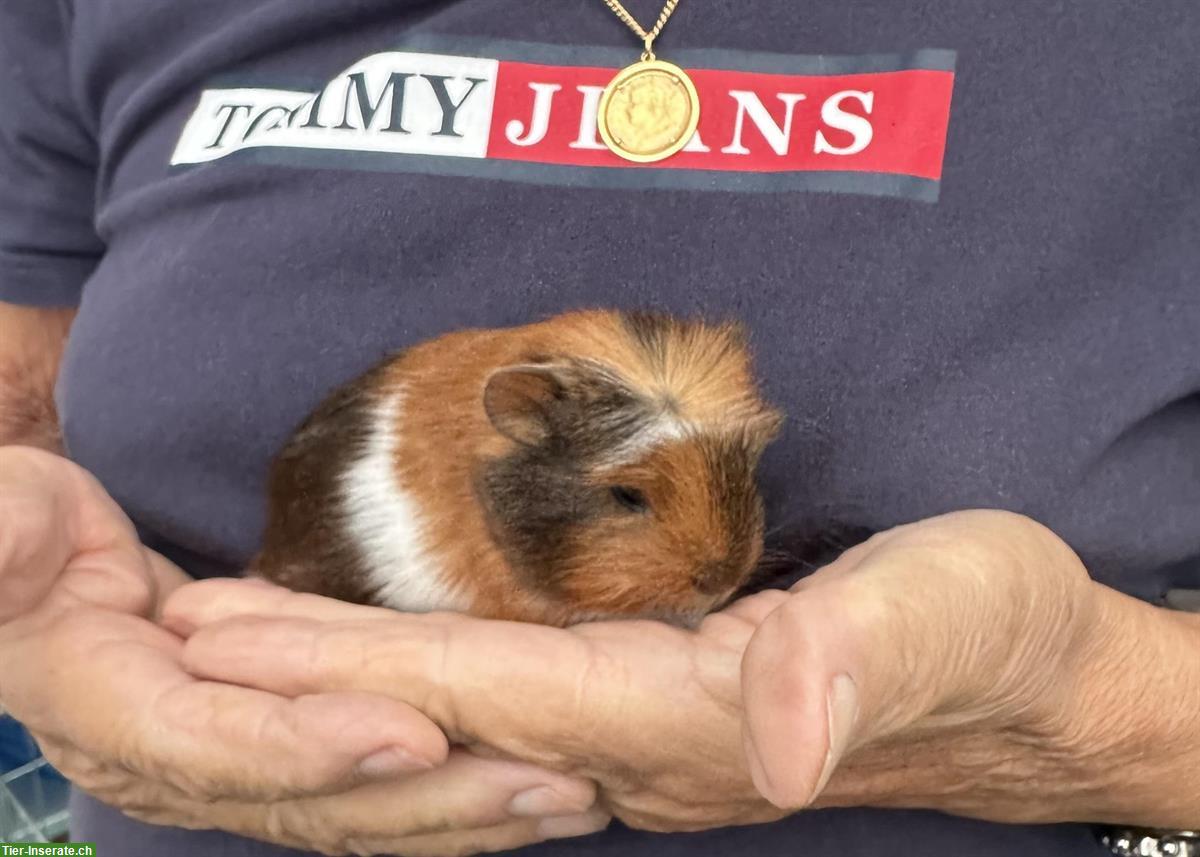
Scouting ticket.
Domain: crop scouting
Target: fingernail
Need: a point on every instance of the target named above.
(758, 771)
(573, 825)
(543, 800)
(842, 711)
(391, 762)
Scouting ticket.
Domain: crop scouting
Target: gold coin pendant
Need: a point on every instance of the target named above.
(649, 111)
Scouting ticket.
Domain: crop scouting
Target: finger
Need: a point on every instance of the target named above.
(118, 787)
(477, 679)
(273, 747)
(467, 792)
(308, 644)
(465, 802)
(492, 682)
(208, 601)
(487, 840)
(113, 685)
(469, 806)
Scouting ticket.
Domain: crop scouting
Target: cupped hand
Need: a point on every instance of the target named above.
(936, 665)
(102, 688)
(651, 712)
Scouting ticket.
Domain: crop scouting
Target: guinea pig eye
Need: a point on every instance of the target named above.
(630, 499)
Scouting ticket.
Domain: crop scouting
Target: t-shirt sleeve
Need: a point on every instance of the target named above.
(48, 243)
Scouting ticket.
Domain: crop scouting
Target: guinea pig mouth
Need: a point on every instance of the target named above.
(691, 619)
(688, 617)
(687, 620)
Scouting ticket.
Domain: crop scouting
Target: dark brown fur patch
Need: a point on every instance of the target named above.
(306, 546)
(540, 497)
(659, 334)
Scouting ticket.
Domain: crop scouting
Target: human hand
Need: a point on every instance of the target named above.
(964, 649)
(651, 712)
(102, 689)
(949, 664)
(978, 671)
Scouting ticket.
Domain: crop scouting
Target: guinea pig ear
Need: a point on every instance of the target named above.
(519, 401)
(762, 429)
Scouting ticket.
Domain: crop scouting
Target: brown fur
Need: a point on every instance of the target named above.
(482, 492)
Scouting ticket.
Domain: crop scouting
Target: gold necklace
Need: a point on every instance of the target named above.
(650, 110)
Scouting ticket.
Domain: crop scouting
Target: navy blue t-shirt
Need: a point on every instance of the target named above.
(964, 235)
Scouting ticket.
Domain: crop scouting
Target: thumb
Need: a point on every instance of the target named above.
(833, 667)
(56, 521)
(802, 705)
(954, 620)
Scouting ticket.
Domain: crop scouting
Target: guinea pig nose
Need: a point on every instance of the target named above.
(714, 577)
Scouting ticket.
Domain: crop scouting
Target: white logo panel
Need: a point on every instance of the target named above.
(395, 102)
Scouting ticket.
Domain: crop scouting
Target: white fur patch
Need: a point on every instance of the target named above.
(664, 429)
(387, 525)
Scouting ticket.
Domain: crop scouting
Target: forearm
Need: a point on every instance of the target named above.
(31, 347)
(1134, 731)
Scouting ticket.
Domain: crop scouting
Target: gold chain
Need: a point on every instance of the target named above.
(631, 22)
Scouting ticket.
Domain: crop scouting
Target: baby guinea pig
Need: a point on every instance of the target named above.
(595, 465)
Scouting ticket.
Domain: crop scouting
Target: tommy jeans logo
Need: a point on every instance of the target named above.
(875, 125)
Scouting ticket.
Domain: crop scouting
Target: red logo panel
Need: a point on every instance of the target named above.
(892, 122)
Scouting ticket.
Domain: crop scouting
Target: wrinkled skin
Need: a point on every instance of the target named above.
(968, 649)
(103, 689)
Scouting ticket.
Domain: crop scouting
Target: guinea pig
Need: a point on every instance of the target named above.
(595, 465)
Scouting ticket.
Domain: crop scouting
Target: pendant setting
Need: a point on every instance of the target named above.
(649, 111)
